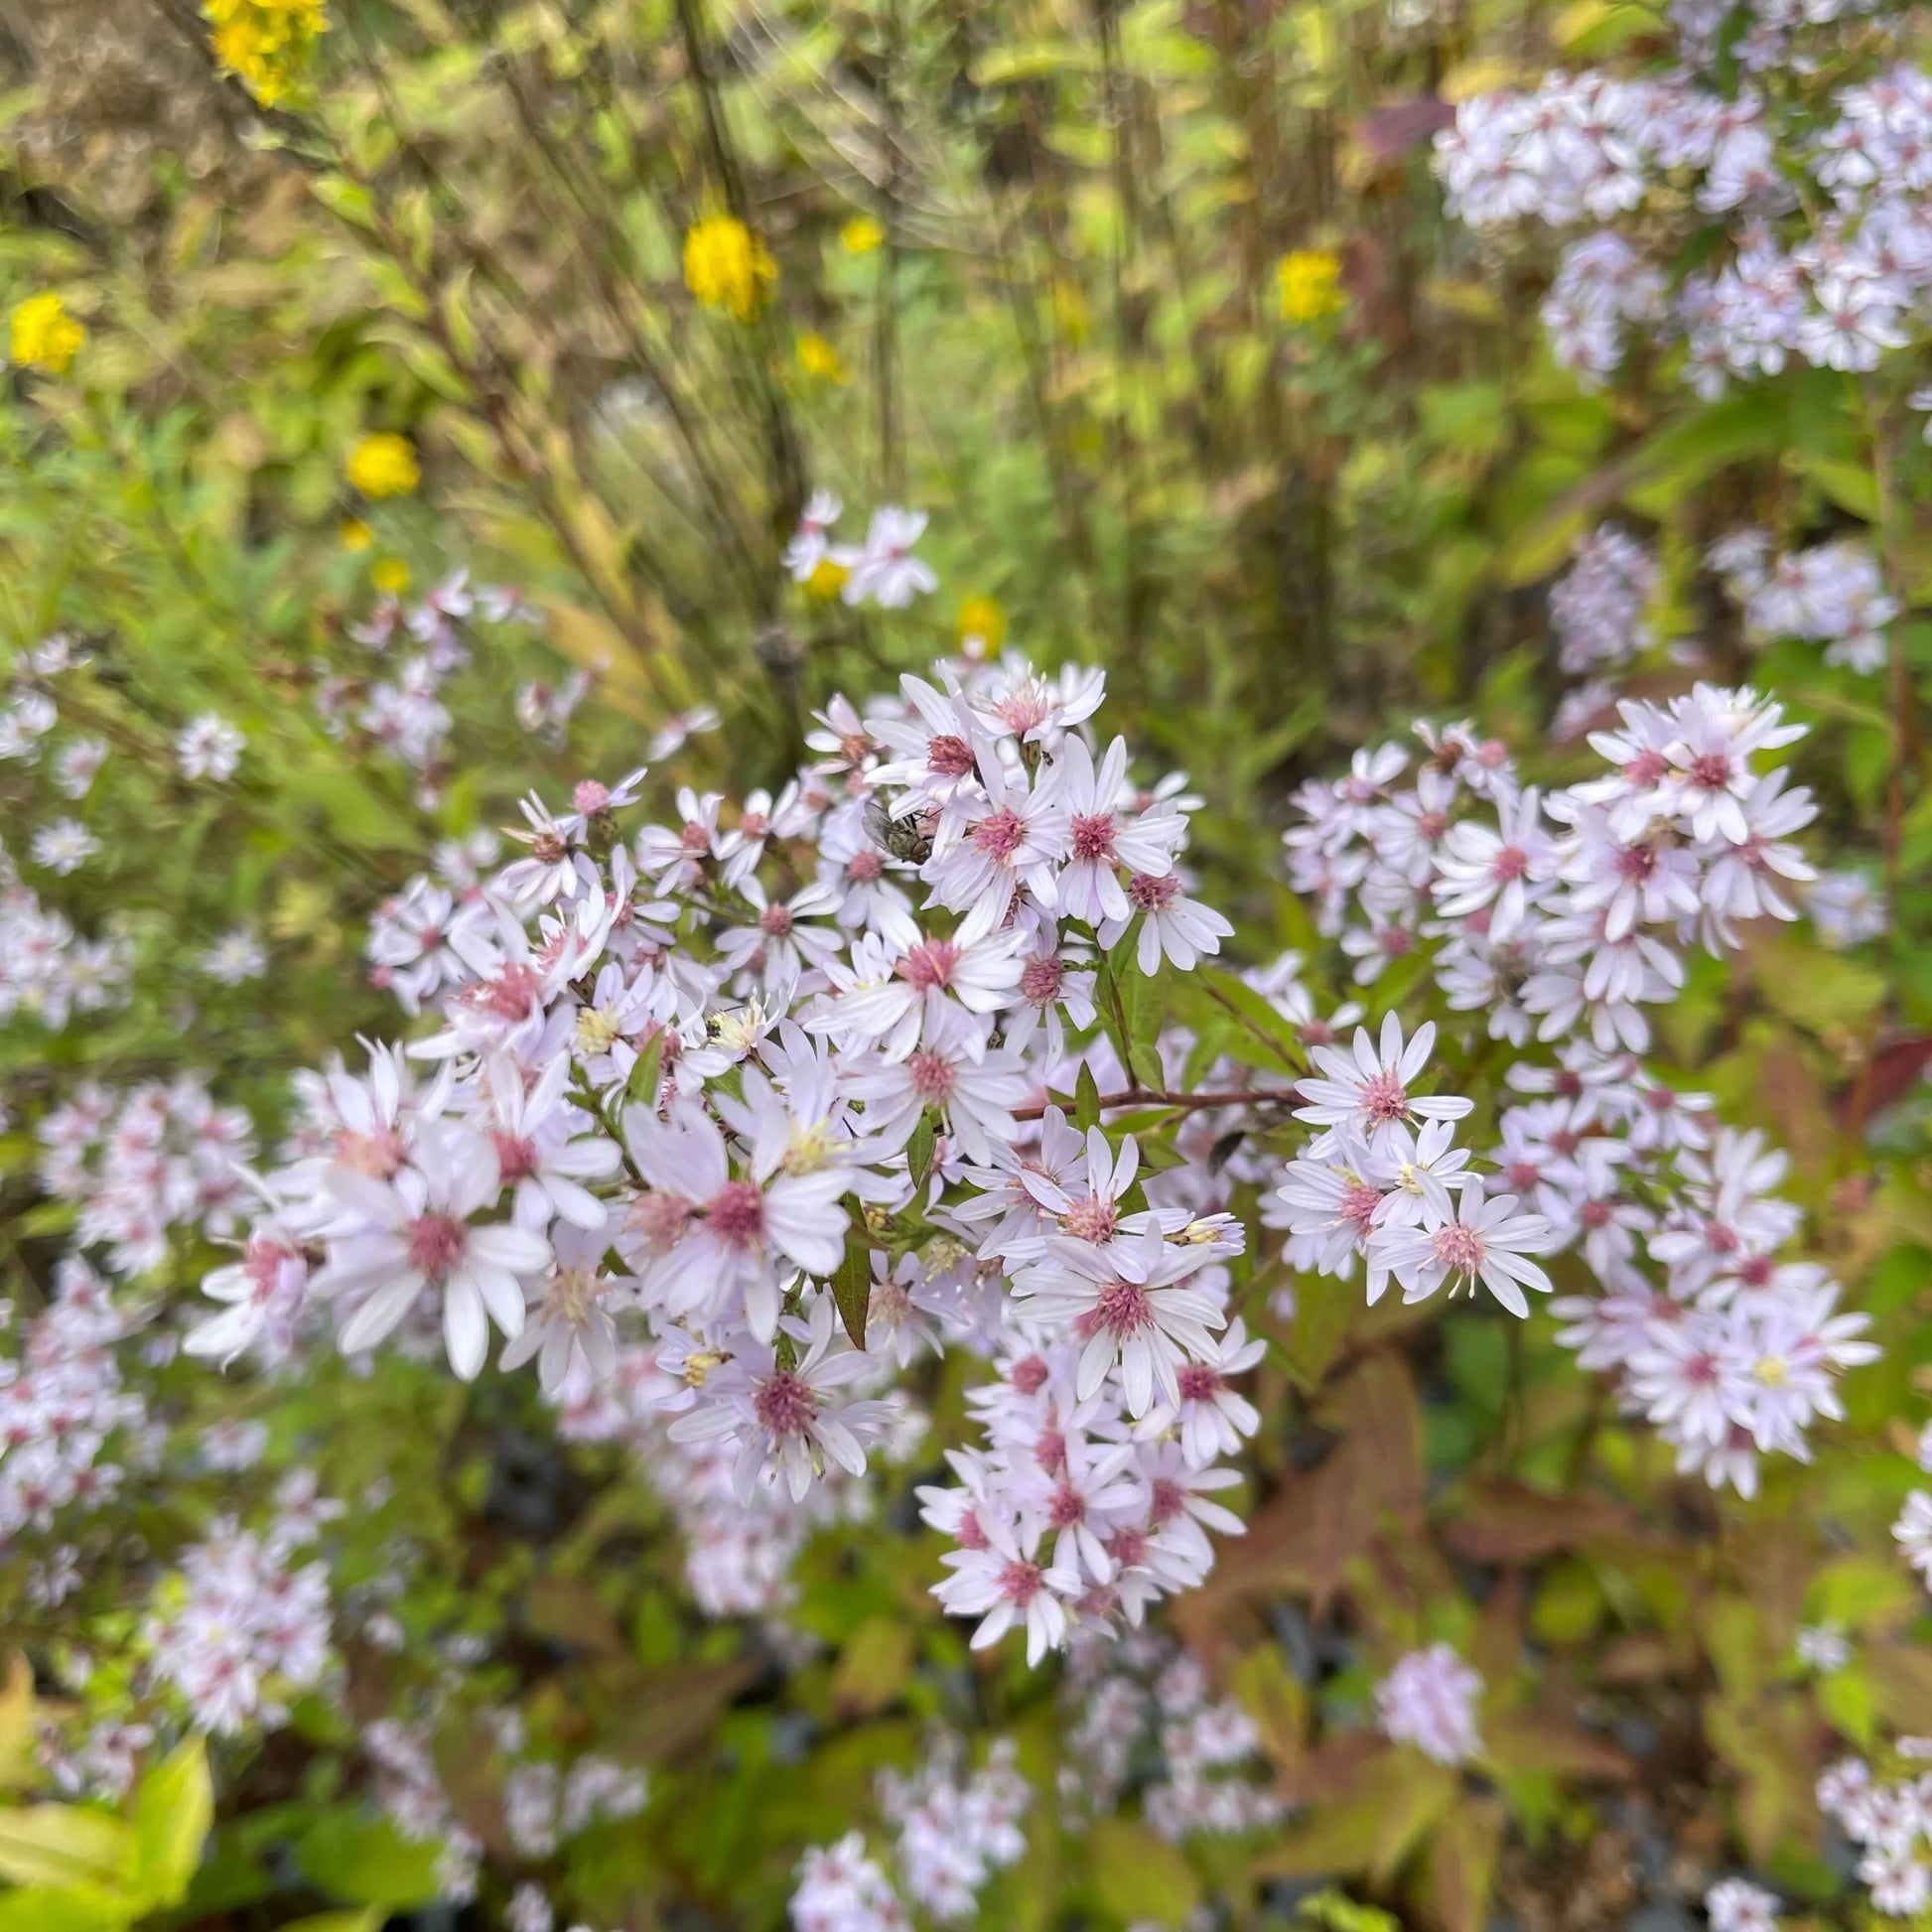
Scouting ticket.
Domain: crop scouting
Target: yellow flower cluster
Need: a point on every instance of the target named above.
(727, 267)
(266, 44)
(44, 336)
(1310, 282)
(383, 466)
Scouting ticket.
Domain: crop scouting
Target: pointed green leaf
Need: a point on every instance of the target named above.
(851, 1286)
(919, 1149)
(173, 1809)
(64, 1845)
(1086, 1099)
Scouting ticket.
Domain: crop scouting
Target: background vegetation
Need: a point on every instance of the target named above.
(1155, 309)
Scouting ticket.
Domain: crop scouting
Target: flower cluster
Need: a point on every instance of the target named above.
(1891, 1821)
(738, 1554)
(419, 646)
(711, 1080)
(1143, 1706)
(954, 1832)
(1839, 288)
(239, 1629)
(1429, 1700)
(141, 1164)
(1562, 917)
(1830, 594)
(266, 44)
(48, 972)
(61, 1404)
(1597, 607)
(882, 569)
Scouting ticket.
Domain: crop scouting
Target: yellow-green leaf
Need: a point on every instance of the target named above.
(64, 1845)
(174, 1808)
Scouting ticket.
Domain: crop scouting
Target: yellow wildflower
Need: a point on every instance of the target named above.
(1310, 282)
(390, 575)
(981, 618)
(265, 43)
(817, 356)
(861, 236)
(44, 336)
(383, 466)
(827, 579)
(355, 534)
(727, 267)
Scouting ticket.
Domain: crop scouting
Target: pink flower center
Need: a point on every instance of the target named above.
(1021, 1582)
(1396, 941)
(1645, 768)
(1050, 1451)
(1000, 834)
(262, 1263)
(512, 993)
(784, 1404)
(1153, 895)
(1123, 1309)
(948, 756)
(1358, 1204)
(590, 796)
(1023, 710)
(1168, 1500)
(1512, 861)
(737, 1215)
(1092, 1219)
(1523, 1176)
(1636, 863)
(1720, 1239)
(1067, 1507)
(1595, 1214)
(931, 1078)
(435, 1245)
(1431, 825)
(1757, 1272)
(1198, 1383)
(777, 920)
(516, 1156)
(1383, 1098)
(1093, 835)
(1127, 1547)
(970, 1535)
(660, 1219)
(1711, 771)
(1039, 984)
(863, 867)
(1459, 1249)
(1029, 1375)
(376, 1155)
(695, 838)
(930, 964)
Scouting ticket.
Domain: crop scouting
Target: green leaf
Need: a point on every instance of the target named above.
(367, 1860)
(852, 1285)
(919, 1149)
(174, 1810)
(370, 1918)
(1139, 1877)
(66, 1908)
(642, 1087)
(1086, 1099)
(64, 1844)
(1850, 1698)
